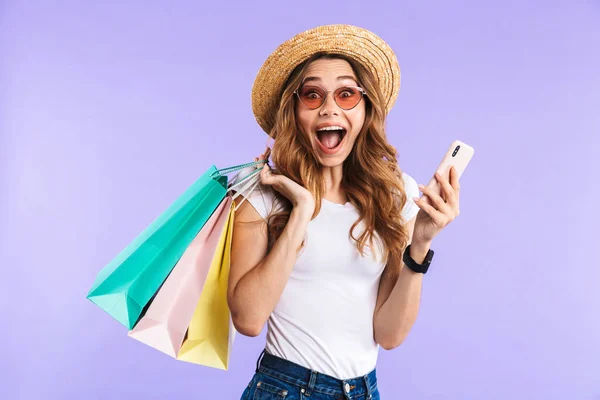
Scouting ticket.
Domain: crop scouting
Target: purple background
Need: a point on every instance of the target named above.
(109, 111)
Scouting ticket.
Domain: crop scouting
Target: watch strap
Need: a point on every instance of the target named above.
(413, 265)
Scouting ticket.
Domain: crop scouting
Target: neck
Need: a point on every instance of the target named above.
(333, 184)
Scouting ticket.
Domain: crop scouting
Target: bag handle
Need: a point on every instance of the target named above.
(250, 177)
(229, 170)
(251, 181)
(255, 184)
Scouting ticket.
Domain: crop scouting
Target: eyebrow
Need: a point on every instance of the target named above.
(339, 78)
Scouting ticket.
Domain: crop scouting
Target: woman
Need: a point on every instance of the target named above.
(320, 249)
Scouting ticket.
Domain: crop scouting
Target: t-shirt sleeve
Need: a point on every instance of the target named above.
(260, 197)
(411, 188)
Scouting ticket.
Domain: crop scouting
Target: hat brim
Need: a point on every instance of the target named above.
(357, 43)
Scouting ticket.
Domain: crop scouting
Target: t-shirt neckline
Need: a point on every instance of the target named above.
(331, 204)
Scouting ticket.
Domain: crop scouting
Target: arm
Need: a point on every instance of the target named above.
(398, 298)
(257, 277)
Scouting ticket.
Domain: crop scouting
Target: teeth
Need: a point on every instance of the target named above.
(331, 128)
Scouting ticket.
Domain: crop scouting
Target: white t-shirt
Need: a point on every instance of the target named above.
(324, 318)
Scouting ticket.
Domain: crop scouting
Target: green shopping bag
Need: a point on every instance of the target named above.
(125, 286)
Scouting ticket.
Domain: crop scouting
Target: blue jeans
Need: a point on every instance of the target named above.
(276, 378)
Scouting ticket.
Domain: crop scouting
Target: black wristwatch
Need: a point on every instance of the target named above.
(412, 264)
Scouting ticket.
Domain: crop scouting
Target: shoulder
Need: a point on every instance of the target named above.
(411, 188)
(261, 197)
(410, 185)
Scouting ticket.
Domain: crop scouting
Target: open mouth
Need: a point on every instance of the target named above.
(331, 137)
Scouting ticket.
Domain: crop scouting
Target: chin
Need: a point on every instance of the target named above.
(332, 163)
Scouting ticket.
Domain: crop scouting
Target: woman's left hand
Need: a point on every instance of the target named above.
(440, 211)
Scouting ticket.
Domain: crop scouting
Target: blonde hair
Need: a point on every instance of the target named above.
(371, 176)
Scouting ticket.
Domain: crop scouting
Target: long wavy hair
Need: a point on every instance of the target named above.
(372, 178)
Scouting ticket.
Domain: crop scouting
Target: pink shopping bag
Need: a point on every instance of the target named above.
(166, 321)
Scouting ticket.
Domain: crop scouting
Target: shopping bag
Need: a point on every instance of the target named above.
(165, 323)
(211, 332)
(125, 287)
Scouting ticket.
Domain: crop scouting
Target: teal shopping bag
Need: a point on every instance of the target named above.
(125, 286)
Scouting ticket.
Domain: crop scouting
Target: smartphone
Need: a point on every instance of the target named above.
(458, 156)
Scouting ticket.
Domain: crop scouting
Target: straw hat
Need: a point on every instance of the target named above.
(357, 43)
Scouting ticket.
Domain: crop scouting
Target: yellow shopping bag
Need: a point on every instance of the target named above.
(210, 334)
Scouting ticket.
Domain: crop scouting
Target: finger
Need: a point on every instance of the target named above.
(258, 165)
(266, 176)
(450, 196)
(434, 198)
(263, 176)
(437, 217)
(455, 184)
(264, 155)
(454, 180)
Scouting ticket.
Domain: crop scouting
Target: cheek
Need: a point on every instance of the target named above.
(358, 120)
(304, 121)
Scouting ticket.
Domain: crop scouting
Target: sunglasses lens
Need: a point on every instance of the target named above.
(311, 96)
(348, 97)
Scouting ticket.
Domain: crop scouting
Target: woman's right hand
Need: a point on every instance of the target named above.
(299, 196)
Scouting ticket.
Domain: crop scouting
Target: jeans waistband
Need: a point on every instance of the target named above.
(311, 381)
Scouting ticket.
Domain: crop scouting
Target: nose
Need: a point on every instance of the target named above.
(329, 106)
